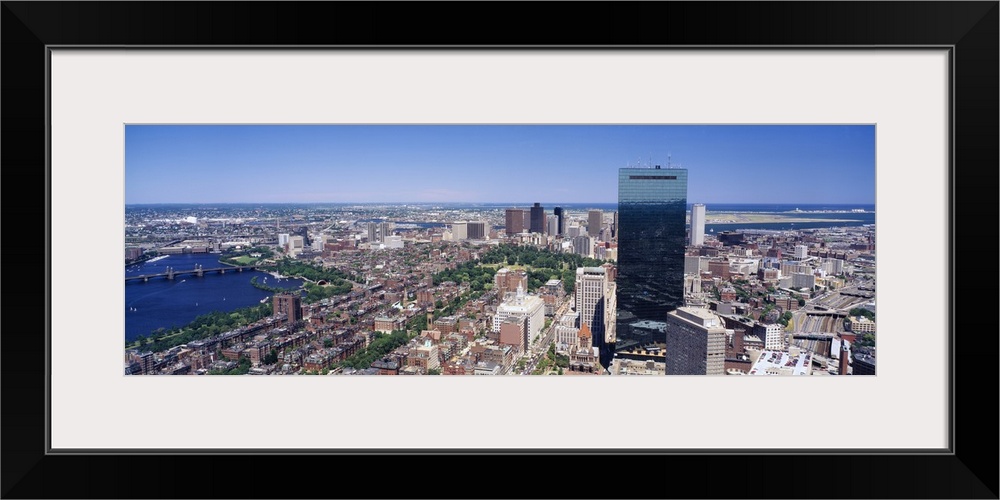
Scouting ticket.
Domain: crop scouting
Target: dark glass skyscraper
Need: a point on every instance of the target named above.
(652, 208)
(559, 215)
(537, 219)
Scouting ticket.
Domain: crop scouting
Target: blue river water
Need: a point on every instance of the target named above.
(163, 303)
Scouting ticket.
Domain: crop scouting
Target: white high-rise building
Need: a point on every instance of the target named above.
(590, 295)
(553, 225)
(460, 231)
(698, 224)
(801, 251)
(774, 337)
(522, 305)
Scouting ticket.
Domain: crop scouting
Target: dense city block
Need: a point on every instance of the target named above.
(646, 286)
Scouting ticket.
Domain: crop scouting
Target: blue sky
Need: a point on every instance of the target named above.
(492, 163)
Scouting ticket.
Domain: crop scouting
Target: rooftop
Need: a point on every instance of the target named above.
(782, 363)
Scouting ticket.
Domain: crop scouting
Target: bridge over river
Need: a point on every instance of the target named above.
(197, 271)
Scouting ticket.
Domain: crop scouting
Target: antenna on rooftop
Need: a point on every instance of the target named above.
(668, 160)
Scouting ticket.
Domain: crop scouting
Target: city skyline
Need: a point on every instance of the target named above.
(469, 163)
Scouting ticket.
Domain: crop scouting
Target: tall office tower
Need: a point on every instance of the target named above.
(696, 342)
(652, 208)
(290, 305)
(594, 222)
(537, 219)
(614, 228)
(558, 211)
(591, 296)
(460, 230)
(698, 224)
(552, 225)
(476, 230)
(583, 245)
(304, 233)
(515, 221)
(379, 231)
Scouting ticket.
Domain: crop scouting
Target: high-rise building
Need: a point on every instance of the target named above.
(378, 231)
(514, 332)
(558, 211)
(552, 225)
(476, 230)
(295, 244)
(698, 224)
(696, 342)
(459, 230)
(801, 251)
(652, 208)
(521, 305)
(288, 304)
(304, 233)
(583, 245)
(774, 337)
(514, 222)
(595, 219)
(595, 303)
(537, 219)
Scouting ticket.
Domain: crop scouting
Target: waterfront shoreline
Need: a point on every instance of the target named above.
(732, 218)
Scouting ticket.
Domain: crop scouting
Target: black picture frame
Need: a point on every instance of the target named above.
(970, 28)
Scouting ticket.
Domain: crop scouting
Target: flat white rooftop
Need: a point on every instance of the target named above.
(781, 363)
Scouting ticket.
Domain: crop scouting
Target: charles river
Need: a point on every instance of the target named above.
(165, 303)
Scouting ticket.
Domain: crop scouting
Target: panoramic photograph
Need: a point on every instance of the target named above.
(499, 250)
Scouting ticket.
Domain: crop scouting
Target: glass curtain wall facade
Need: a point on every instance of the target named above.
(537, 218)
(652, 208)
